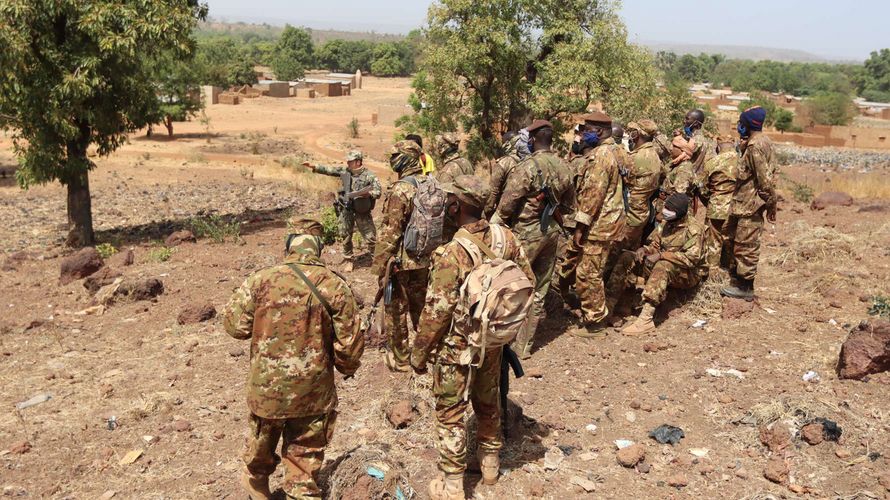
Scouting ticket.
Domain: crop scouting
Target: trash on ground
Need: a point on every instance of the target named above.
(699, 452)
(811, 376)
(665, 433)
(111, 422)
(714, 372)
(553, 457)
(623, 443)
(36, 400)
(700, 323)
(591, 427)
(830, 429)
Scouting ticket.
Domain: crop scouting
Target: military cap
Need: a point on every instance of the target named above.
(597, 117)
(449, 138)
(305, 225)
(538, 124)
(469, 189)
(646, 126)
(408, 148)
(354, 155)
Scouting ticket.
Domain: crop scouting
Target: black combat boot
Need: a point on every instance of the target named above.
(743, 289)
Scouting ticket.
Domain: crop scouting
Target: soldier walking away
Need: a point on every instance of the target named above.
(453, 164)
(467, 358)
(402, 255)
(754, 197)
(427, 163)
(301, 320)
(642, 182)
(539, 192)
(717, 183)
(355, 201)
(673, 259)
(705, 148)
(512, 155)
(600, 222)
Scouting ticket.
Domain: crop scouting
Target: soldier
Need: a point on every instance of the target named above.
(672, 259)
(453, 164)
(453, 380)
(513, 154)
(754, 196)
(625, 163)
(539, 192)
(642, 183)
(705, 148)
(427, 163)
(412, 272)
(354, 207)
(679, 176)
(717, 183)
(301, 321)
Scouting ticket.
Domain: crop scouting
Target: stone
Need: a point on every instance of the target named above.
(725, 399)
(678, 480)
(80, 265)
(553, 458)
(585, 484)
(179, 237)
(866, 351)
(196, 313)
(742, 473)
(776, 470)
(123, 258)
(14, 260)
(632, 455)
(103, 277)
(236, 352)
(182, 426)
(141, 289)
(775, 436)
(736, 308)
(401, 414)
(843, 453)
(20, 448)
(831, 199)
(797, 488)
(813, 433)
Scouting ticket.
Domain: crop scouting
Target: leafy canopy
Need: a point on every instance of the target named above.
(292, 54)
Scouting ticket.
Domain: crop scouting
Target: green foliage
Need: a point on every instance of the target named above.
(353, 128)
(106, 250)
(160, 254)
(293, 53)
(762, 100)
(216, 228)
(346, 56)
(830, 108)
(875, 82)
(801, 192)
(331, 224)
(178, 89)
(784, 120)
(241, 72)
(880, 306)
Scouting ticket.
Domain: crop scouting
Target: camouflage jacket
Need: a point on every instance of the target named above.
(294, 344)
(360, 180)
(499, 173)
(625, 162)
(755, 183)
(600, 200)
(680, 242)
(717, 183)
(642, 182)
(522, 201)
(679, 179)
(705, 149)
(454, 166)
(397, 207)
(451, 264)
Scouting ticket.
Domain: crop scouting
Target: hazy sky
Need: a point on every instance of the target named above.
(845, 30)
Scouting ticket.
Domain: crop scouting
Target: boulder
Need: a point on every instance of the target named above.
(831, 199)
(632, 455)
(196, 313)
(143, 289)
(776, 436)
(813, 433)
(103, 277)
(80, 265)
(180, 237)
(866, 351)
(776, 470)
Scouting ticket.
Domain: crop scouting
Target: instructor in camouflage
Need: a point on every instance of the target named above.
(300, 319)
(453, 164)
(717, 183)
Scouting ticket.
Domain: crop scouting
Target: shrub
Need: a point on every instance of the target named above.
(216, 228)
(160, 254)
(106, 250)
(880, 306)
(353, 128)
(331, 224)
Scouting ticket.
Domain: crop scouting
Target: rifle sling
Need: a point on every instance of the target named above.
(313, 289)
(479, 243)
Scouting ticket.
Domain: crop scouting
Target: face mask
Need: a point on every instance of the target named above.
(631, 144)
(531, 145)
(576, 148)
(668, 215)
(687, 130)
(590, 139)
(743, 130)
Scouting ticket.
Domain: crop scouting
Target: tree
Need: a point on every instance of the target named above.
(179, 95)
(346, 55)
(784, 120)
(75, 74)
(830, 108)
(875, 83)
(212, 60)
(390, 59)
(762, 100)
(241, 72)
(293, 53)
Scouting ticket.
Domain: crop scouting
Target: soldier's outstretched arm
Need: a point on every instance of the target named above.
(441, 299)
(349, 343)
(238, 314)
(395, 218)
(330, 171)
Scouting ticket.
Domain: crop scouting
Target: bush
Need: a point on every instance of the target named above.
(880, 306)
(160, 254)
(106, 250)
(831, 108)
(353, 128)
(216, 228)
(331, 224)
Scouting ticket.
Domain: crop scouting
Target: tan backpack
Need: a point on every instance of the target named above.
(495, 298)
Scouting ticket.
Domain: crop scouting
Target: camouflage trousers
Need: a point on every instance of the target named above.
(744, 237)
(716, 240)
(541, 253)
(449, 386)
(659, 277)
(303, 441)
(589, 284)
(408, 299)
(633, 236)
(349, 220)
(567, 266)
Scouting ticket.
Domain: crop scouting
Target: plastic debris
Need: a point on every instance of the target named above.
(591, 427)
(111, 422)
(36, 400)
(623, 443)
(832, 322)
(699, 452)
(769, 311)
(714, 372)
(812, 377)
(665, 433)
(376, 473)
(830, 430)
(700, 323)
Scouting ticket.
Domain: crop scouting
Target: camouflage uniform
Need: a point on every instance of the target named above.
(521, 206)
(453, 166)
(567, 265)
(681, 244)
(295, 344)
(679, 179)
(450, 266)
(499, 173)
(413, 273)
(349, 218)
(642, 183)
(754, 193)
(705, 149)
(601, 212)
(717, 183)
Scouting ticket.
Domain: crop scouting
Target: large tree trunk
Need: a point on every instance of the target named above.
(168, 122)
(80, 214)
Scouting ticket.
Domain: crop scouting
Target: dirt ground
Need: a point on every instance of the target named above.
(176, 393)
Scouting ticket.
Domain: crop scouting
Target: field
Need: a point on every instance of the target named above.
(143, 407)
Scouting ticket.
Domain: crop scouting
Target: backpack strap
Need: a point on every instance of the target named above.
(410, 180)
(498, 240)
(313, 289)
(466, 235)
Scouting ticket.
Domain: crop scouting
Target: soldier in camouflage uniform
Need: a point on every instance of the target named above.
(642, 182)
(354, 208)
(437, 339)
(521, 207)
(453, 164)
(672, 259)
(705, 148)
(502, 168)
(600, 222)
(298, 334)
(754, 197)
(679, 175)
(717, 183)
(412, 274)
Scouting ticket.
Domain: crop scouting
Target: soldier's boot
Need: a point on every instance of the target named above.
(592, 330)
(449, 487)
(489, 464)
(256, 486)
(393, 365)
(644, 323)
(743, 289)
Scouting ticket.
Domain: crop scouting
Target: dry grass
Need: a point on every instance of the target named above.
(307, 182)
(707, 302)
(814, 244)
(871, 185)
(354, 465)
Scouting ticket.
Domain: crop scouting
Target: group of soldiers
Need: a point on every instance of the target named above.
(603, 221)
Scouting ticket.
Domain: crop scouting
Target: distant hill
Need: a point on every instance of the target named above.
(739, 52)
(271, 32)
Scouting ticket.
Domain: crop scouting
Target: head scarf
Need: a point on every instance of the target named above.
(753, 118)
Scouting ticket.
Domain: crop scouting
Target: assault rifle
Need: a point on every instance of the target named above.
(508, 361)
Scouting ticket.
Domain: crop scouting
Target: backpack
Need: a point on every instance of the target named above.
(495, 298)
(424, 231)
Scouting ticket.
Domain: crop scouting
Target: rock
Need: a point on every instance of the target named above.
(179, 237)
(122, 259)
(401, 414)
(196, 313)
(776, 436)
(736, 308)
(143, 289)
(585, 484)
(725, 399)
(236, 352)
(812, 433)
(843, 453)
(80, 265)
(742, 473)
(644, 467)
(182, 426)
(797, 488)
(678, 480)
(632, 455)
(14, 260)
(776, 470)
(831, 199)
(553, 457)
(103, 277)
(866, 351)
(20, 448)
